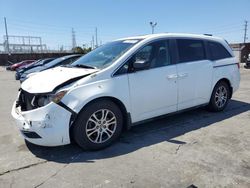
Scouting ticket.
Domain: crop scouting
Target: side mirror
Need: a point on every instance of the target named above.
(141, 64)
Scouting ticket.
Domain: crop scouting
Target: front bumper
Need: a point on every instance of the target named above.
(45, 126)
(23, 77)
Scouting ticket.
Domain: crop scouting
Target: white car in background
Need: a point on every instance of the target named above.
(122, 83)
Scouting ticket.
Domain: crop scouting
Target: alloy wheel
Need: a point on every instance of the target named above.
(221, 96)
(101, 126)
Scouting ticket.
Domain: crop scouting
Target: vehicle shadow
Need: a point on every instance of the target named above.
(162, 130)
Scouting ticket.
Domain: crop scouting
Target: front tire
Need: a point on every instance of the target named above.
(220, 97)
(98, 125)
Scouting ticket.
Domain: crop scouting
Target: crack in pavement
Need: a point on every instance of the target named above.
(53, 175)
(64, 166)
(23, 167)
(180, 145)
(177, 149)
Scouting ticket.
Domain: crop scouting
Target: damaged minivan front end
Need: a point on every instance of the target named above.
(40, 115)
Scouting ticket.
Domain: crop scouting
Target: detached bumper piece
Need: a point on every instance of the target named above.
(30, 134)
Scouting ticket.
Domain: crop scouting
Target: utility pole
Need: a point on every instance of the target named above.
(73, 39)
(96, 39)
(93, 42)
(153, 24)
(7, 36)
(245, 31)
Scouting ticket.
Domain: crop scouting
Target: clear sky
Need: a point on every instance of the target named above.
(53, 19)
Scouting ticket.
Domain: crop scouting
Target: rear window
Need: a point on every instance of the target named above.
(218, 51)
(190, 50)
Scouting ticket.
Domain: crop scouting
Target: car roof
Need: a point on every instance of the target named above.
(175, 35)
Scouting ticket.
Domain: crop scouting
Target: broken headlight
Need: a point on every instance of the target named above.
(43, 100)
(58, 96)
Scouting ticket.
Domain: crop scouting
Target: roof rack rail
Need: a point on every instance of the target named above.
(207, 34)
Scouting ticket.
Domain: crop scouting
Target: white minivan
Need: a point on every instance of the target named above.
(124, 82)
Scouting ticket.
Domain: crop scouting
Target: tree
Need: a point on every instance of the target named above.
(80, 50)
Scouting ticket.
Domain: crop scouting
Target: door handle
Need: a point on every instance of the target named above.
(183, 75)
(172, 76)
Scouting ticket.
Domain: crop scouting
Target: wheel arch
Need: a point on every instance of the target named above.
(229, 84)
(126, 115)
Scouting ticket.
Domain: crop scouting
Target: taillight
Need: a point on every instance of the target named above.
(238, 64)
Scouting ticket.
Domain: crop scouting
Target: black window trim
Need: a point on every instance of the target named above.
(169, 41)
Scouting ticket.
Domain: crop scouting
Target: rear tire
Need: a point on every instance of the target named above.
(220, 97)
(98, 125)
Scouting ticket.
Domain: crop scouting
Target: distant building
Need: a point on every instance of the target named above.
(241, 51)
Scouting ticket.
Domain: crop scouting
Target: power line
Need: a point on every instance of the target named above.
(24, 22)
(222, 27)
(227, 31)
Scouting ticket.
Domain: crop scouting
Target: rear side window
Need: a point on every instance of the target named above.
(218, 51)
(190, 50)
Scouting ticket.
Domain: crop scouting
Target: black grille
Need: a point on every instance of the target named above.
(30, 134)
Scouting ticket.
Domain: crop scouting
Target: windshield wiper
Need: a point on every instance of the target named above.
(85, 66)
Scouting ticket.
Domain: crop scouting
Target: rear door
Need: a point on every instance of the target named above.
(195, 73)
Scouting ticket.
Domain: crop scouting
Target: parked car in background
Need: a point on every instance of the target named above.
(21, 64)
(9, 65)
(65, 60)
(40, 62)
(122, 83)
(25, 66)
(247, 65)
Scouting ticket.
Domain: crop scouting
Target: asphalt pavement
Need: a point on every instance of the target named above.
(196, 148)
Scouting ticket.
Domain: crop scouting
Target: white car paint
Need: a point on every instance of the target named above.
(144, 94)
(162, 96)
(197, 93)
(60, 75)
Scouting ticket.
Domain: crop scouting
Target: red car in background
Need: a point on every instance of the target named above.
(21, 64)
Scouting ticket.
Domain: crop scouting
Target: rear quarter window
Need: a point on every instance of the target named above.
(218, 51)
(190, 50)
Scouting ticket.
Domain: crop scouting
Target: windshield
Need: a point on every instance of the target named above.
(105, 55)
(32, 64)
(38, 61)
(58, 60)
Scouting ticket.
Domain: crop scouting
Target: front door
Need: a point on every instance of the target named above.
(153, 91)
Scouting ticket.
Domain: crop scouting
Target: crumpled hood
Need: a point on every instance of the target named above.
(46, 81)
